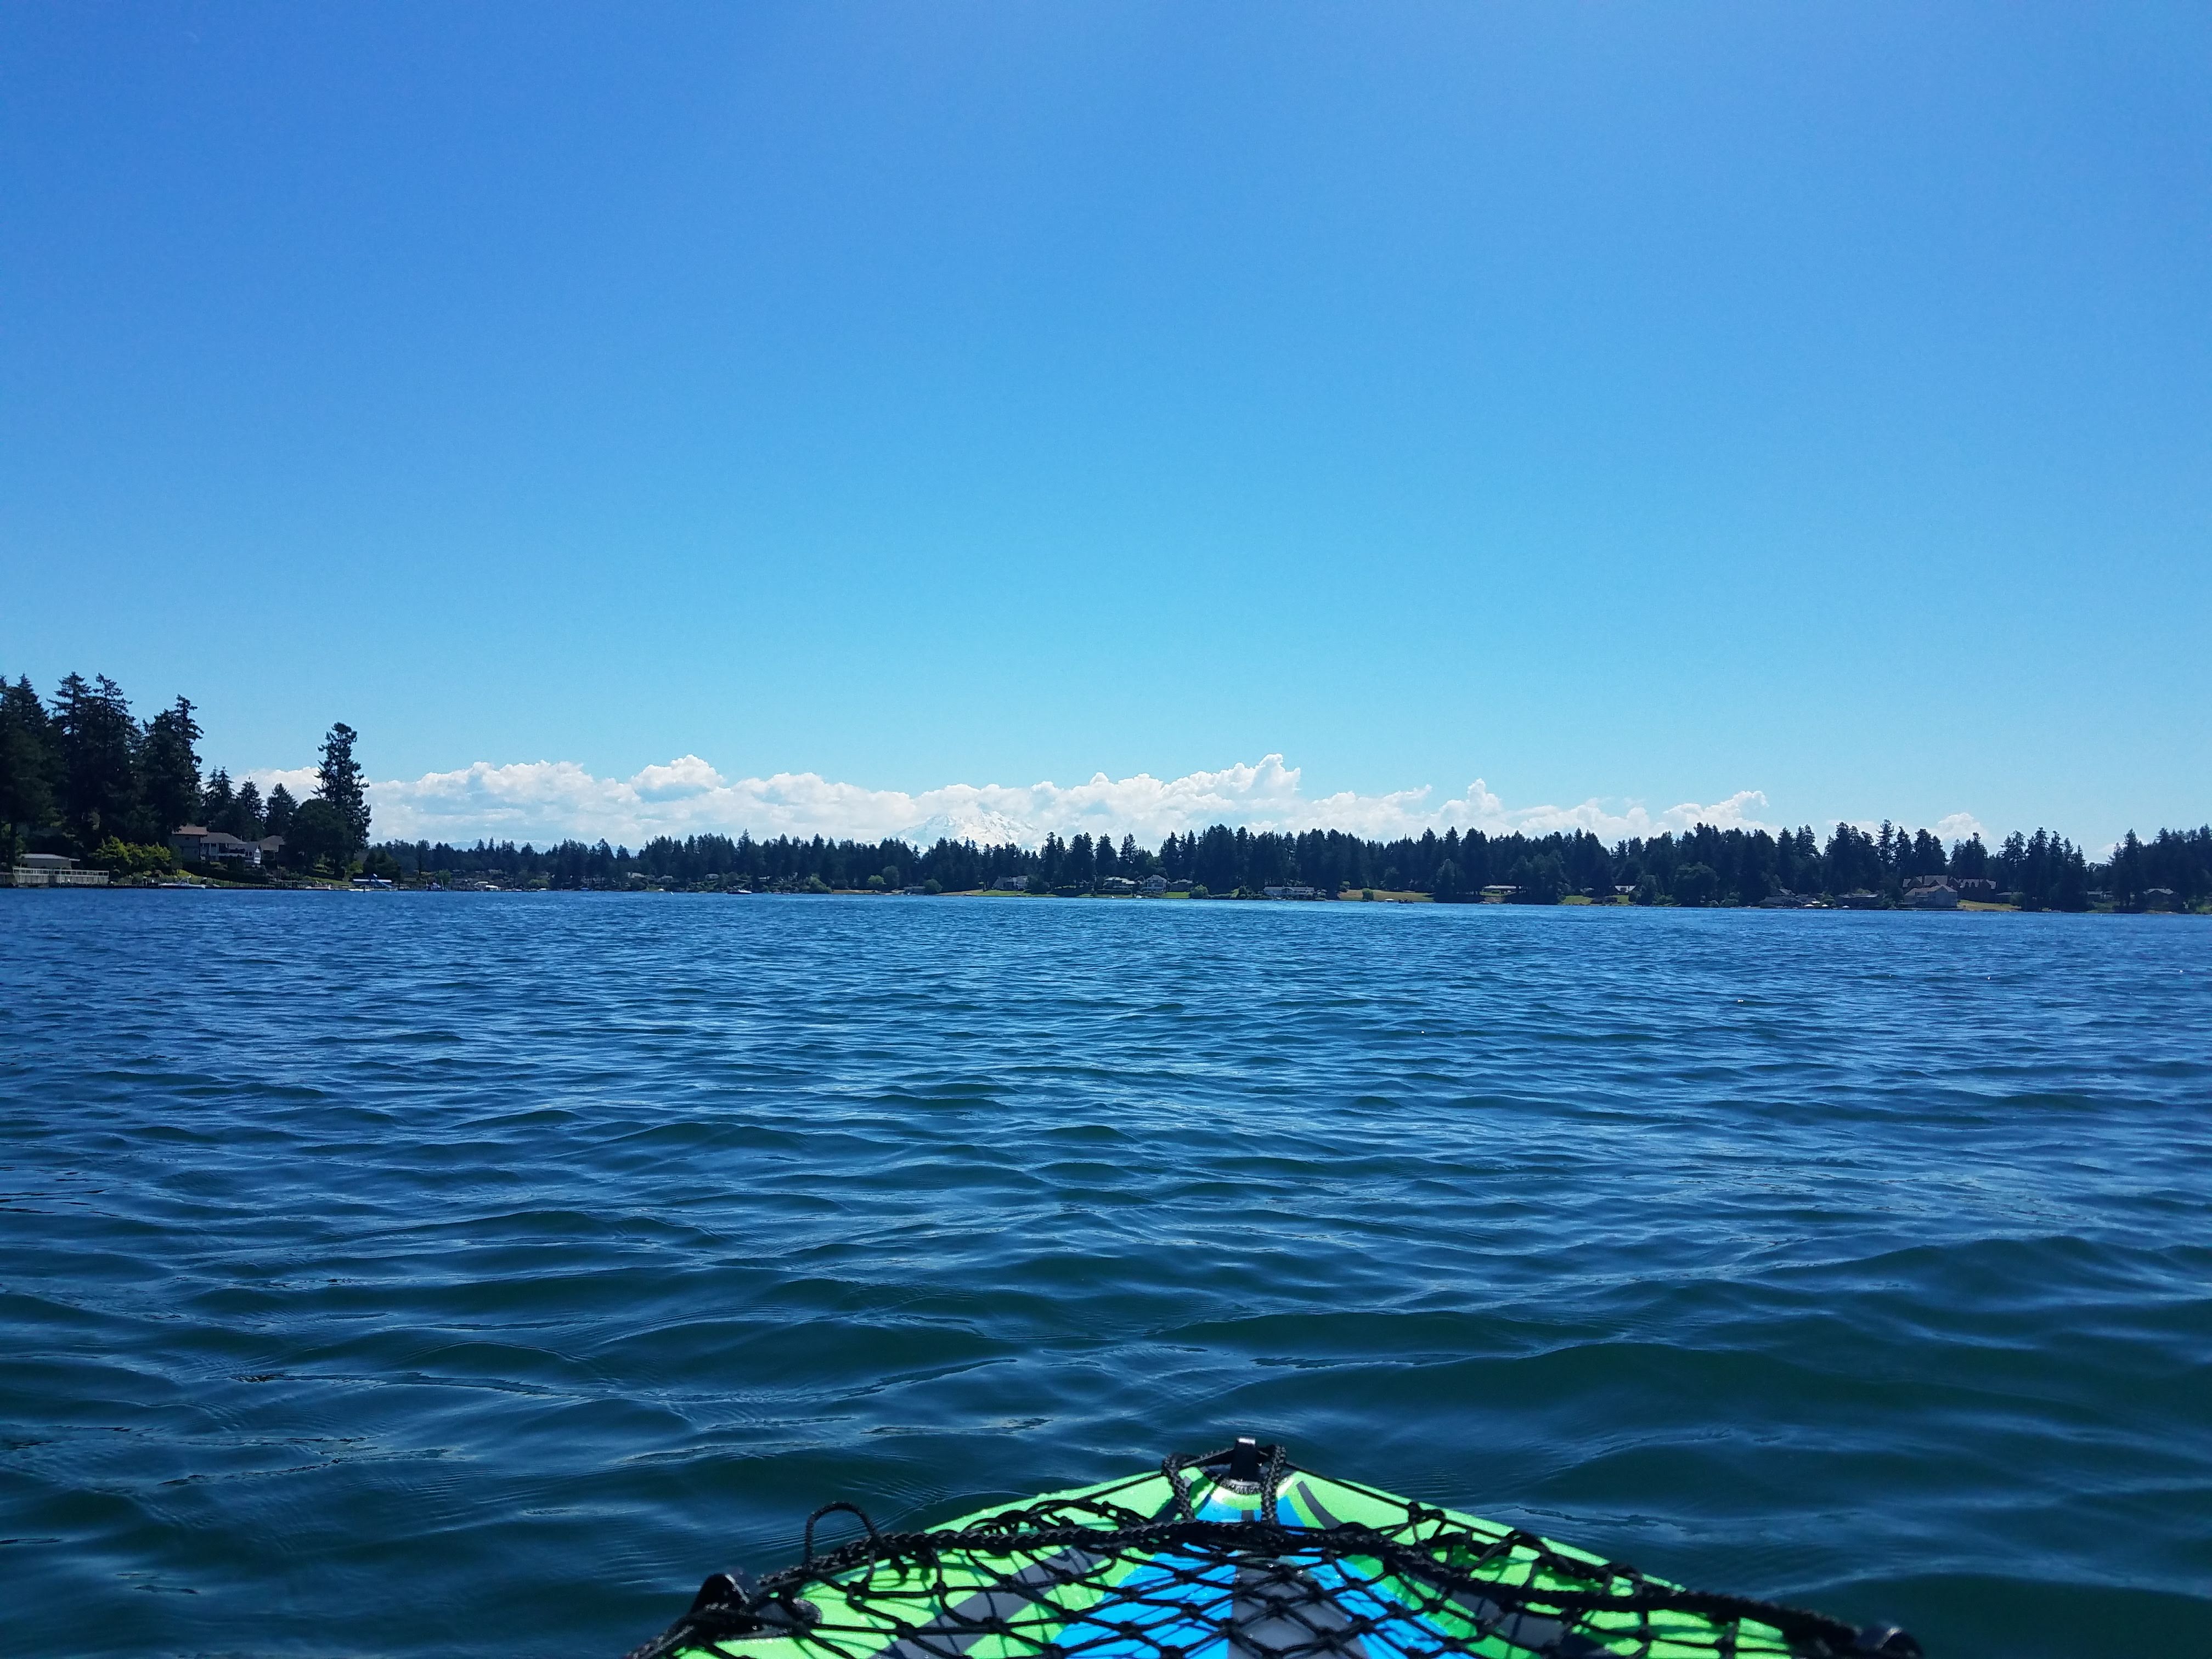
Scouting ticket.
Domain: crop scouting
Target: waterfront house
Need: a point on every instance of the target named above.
(1289, 892)
(1152, 886)
(196, 844)
(1859, 899)
(1117, 884)
(1940, 897)
(1010, 885)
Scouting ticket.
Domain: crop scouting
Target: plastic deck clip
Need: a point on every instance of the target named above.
(720, 1590)
(1244, 1459)
(1889, 1640)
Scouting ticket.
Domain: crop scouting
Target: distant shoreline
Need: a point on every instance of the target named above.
(86, 784)
(298, 885)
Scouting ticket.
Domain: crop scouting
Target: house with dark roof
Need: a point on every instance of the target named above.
(196, 844)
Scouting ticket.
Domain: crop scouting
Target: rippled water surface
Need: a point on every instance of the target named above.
(471, 1274)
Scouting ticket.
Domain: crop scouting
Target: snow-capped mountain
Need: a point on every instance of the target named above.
(985, 829)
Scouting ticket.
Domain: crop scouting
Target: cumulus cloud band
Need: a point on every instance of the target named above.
(543, 801)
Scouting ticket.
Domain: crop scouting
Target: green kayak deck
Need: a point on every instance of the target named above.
(1234, 1555)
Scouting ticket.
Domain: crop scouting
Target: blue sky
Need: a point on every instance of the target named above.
(1643, 403)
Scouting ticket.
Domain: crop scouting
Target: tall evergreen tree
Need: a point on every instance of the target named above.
(28, 762)
(1077, 868)
(216, 800)
(338, 781)
(246, 811)
(99, 744)
(1969, 860)
(170, 769)
(277, 816)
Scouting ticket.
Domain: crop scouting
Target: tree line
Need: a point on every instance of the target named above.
(81, 775)
(1704, 865)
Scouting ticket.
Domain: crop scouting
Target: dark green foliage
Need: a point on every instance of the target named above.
(125, 859)
(1077, 868)
(99, 742)
(1588, 867)
(277, 816)
(234, 813)
(2048, 872)
(216, 799)
(1969, 860)
(339, 781)
(170, 769)
(320, 834)
(1854, 863)
(1696, 883)
(246, 814)
(1704, 865)
(1539, 879)
(28, 764)
(2180, 861)
(2176, 863)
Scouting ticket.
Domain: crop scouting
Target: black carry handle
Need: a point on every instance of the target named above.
(1249, 1462)
(874, 1536)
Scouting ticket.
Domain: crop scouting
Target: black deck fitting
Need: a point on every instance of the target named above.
(719, 1590)
(1888, 1639)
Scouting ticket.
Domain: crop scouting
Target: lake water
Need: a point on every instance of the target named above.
(472, 1275)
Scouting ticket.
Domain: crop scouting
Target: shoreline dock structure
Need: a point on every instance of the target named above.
(50, 870)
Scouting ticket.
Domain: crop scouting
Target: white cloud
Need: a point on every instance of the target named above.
(542, 801)
(1959, 826)
(300, 780)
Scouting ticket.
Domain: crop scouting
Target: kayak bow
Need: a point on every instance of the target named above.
(1234, 1555)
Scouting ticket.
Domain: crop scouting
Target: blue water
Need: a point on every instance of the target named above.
(471, 1274)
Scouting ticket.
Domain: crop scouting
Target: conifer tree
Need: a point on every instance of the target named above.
(247, 812)
(277, 816)
(98, 744)
(339, 781)
(27, 764)
(171, 770)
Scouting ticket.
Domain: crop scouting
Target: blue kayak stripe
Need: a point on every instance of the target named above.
(1168, 1599)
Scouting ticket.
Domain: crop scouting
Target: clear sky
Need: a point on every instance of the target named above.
(1641, 402)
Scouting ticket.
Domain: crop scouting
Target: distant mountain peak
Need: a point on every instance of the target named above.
(985, 829)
